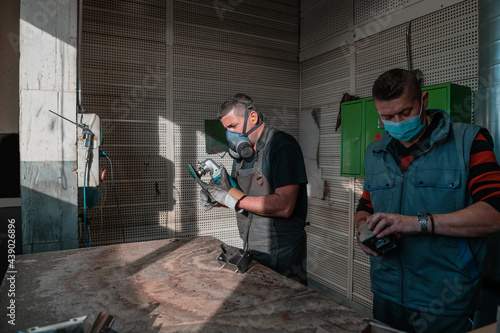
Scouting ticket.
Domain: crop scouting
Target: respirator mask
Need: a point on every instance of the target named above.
(240, 146)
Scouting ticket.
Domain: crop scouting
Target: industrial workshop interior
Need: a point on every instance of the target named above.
(109, 121)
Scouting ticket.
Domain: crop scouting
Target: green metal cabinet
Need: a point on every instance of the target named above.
(452, 98)
(215, 137)
(359, 127)
(361, 124)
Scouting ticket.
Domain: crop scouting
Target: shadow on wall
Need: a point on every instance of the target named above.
(138, 210)
(130, 96)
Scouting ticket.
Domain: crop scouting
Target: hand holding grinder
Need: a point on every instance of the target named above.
(232, 258)
(222, 189)
(211, 167)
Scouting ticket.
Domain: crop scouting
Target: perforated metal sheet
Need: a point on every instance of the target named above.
(199, 42)
(444, 45)
(444, 48)
(367, 10)
(324, 79)
(322, 20)
(376, 54)
(250, 47)
(124, 77)
(361, 292)
(325, 259)
(124, 21)
(273, 10)
(239, 20)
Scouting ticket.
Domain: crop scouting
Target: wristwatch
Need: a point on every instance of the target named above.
(422, 219)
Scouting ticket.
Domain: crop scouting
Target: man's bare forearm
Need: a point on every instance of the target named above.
(279, 204)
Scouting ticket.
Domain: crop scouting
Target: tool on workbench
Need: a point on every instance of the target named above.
(234, 258)
(211, 167)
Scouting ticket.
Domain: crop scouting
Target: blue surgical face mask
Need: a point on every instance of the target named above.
(407, 129)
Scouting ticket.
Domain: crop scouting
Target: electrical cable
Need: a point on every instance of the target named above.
(114, 191)
(408, 47)
(103, 200)
(89, 243)
(88, 230)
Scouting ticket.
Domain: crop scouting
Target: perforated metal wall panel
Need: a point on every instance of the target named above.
(124, 76)
(367, 10)
(151, 129)
(322, 19)
(361, 292)
(377, 53)
(444, 47)
(324, 80)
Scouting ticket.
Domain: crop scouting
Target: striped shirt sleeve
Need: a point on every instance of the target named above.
(365, 203)
(484, 172)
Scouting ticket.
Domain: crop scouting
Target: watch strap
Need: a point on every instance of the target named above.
(422, 219)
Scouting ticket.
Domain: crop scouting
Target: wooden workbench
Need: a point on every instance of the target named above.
(172, 285)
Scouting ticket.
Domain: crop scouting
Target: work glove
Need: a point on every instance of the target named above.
(223, 193)
(206, 200)
(224, 182)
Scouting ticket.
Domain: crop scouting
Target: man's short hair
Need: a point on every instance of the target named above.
(239, 103)
(392, 84)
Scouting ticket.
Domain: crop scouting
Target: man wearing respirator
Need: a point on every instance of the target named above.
(269, 170)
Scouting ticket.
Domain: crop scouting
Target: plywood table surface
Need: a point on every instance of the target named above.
(172, 285)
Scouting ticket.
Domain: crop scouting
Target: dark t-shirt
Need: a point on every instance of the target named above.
(284, 165)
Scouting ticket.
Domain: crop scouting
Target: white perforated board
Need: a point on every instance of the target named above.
(126, 69)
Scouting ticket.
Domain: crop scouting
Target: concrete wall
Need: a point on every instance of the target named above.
(47, 80)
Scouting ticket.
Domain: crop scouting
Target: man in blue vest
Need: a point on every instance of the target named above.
(435, 185)
(269, 169)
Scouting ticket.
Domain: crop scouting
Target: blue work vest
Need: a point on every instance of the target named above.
(429, 273)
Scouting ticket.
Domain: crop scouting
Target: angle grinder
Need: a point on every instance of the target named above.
(211, 167)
